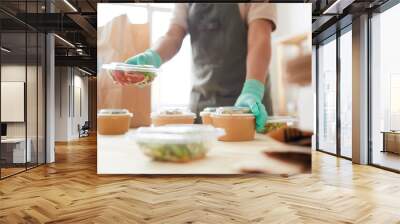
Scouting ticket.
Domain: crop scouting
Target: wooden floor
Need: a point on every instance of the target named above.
(387, 159)
(69, 191)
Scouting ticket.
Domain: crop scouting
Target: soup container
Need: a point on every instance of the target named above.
(172, 116)
(113, 121)
(238, 123)
(206, 115)
(177, 143)
(140, 75)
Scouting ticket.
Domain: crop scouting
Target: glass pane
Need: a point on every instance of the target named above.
(41, 98)
(13, 86)
(346, 94)
(386, 89)
(327, 97)
(31, 98)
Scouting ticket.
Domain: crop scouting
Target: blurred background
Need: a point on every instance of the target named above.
(291, 44)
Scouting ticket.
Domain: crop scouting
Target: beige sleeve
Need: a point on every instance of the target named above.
(262, 11)
(180, 14)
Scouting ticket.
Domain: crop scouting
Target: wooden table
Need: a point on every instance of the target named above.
(120, 155)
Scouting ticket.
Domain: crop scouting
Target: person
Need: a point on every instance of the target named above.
(231, 51)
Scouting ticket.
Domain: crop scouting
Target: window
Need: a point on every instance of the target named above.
(385, 89)
(23, 77)
(346, 94)
(327, 97)
(137, 13)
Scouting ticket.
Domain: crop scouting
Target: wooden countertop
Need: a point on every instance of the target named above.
(120, 155)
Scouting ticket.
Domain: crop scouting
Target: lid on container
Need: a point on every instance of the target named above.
(105, 112)
(281, 119)
(173, 112)
(210, 109)
(176, 134)
(130, 68)
(233, 111)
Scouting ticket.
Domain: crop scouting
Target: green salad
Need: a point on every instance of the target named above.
(274, 126)
(179, 152)
(148, 78)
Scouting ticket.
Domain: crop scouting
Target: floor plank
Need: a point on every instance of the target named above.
(70, 191)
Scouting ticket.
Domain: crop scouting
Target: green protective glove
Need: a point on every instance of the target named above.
(251, 97)
(149, 57)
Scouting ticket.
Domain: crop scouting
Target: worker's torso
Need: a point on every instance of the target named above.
(219, 48)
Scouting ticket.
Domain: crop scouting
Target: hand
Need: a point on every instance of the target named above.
(149, 57)
(251, 97)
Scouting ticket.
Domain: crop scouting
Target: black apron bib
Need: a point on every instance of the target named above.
(219, 49)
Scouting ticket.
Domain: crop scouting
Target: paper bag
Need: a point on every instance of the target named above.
(116, 41)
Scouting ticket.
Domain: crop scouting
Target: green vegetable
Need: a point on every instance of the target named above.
(148, 78)
(174, 152)
(273, 126)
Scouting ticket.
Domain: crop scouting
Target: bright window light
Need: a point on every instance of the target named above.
(137, 13)
(172, 86)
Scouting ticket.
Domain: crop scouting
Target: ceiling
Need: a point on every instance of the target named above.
(332, 15)
(76, 20)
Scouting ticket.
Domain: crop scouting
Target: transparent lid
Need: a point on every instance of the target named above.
(233, 110)
(210, 109)
(130, 68)
(173, 112)
(281, 119)
(178, 134)
(114, 112)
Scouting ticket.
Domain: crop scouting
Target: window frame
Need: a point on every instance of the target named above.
(334, 37)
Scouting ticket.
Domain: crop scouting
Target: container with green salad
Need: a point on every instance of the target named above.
(139, 75)
(177, 143)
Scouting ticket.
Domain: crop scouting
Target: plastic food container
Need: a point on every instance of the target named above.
(113, 121)
(177, 143)
(206, 114)
(238, 123)
(233, 110)
(141, 75)
(276, 122)
(172, 116)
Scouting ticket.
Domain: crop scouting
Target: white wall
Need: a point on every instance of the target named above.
(14, 73)
(292, 19)
(33, 127)
(68, 83)
(17, 73)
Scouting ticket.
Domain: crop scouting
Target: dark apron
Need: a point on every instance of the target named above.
(218, 37)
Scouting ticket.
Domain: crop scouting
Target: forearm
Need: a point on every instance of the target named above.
(259, 50)
(169, 44)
